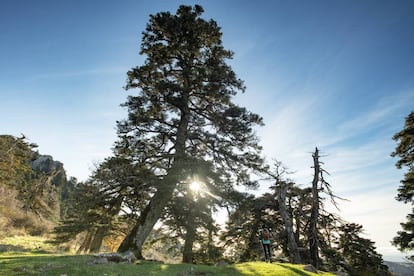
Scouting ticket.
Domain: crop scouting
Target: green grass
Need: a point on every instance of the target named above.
(30, 256)
(26, 244)
(274, 269)
(50, 264)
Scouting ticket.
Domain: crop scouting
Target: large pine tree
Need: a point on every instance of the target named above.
(182, 116)
(405, 151)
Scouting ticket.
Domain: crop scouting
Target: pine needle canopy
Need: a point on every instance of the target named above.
(183, 109)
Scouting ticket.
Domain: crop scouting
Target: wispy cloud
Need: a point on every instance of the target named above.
(80, 73)
(378, 212)
(293, 132)
(380, 115)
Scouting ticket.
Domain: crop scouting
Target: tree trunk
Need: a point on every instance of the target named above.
(313, 231)
(210, 245)
(298, 215)
(85, 244)
(189, 240)
(154, 209)
(294, 255)
(128, 242)
(97, 240)
(136, 238)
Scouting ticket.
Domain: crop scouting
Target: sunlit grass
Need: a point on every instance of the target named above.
(33, 256)
(50, 264)
(80, 265)
(274, 269)
(26, 244)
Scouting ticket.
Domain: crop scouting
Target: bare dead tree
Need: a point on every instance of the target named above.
(318, 184)
(313, 229)
(282, 186)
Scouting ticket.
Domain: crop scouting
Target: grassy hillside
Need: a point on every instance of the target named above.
(52, 264)
(29, 256)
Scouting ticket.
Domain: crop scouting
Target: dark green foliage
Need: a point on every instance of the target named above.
(190, 222)
(359, 253)
(246, 215)
(340, 245)
(101, 206)
(83, 214)
(188, 214)
(66, 195)
(208, 251)
(404, 240)
(15, 160)
(185, 89)
(405, 152)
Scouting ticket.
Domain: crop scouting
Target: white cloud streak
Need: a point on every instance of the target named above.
(80, 73)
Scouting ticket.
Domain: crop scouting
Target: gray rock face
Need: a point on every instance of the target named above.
(46, 164)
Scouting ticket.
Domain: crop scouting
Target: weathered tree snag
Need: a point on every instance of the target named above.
(313, 230)
(294, 255)
(281, 186)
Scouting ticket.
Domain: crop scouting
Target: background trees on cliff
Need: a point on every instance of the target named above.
(31, 187)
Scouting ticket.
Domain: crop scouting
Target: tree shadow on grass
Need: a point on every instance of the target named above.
(296, 270)
(15, 248)
(252, 271)
(4, 248)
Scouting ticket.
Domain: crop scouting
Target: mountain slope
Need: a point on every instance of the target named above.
(400, 269)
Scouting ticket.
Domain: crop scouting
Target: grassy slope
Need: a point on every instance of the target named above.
(49, 264)
(32, 262)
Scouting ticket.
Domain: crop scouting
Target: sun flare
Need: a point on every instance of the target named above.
(195, 186)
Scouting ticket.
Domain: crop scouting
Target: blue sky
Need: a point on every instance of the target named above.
(334, 74)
